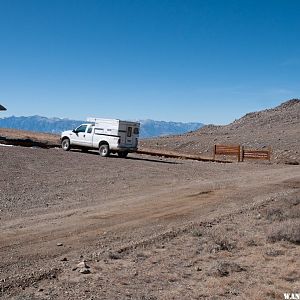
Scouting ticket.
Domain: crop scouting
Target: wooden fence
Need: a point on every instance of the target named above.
(233, 150)
(256, 154)
(241, 153)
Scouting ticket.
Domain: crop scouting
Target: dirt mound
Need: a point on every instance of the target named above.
(277, 128)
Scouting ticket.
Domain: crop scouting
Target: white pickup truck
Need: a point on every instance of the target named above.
(106, 135)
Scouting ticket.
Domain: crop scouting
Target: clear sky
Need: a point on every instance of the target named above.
(205, 60)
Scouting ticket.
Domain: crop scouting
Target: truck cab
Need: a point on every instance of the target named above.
(82, 135)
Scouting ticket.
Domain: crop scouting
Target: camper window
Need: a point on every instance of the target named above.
(136, 131)
(129, 131)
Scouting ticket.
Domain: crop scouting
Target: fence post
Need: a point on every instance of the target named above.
(242, 153)
(239, 155)
(214, 157)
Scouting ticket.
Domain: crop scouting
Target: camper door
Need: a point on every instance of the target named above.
(129, 132)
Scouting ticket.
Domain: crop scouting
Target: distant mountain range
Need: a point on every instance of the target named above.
(149, 128)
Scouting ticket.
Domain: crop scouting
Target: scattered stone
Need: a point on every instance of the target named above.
(83, 265)
(84, 271)
(59, 244)
(258, 216)
(64, 259)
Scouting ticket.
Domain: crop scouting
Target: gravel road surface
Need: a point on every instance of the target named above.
(136, 224)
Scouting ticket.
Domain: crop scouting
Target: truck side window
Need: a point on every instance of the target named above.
(90, 130)
(81, 128)
(129, 131)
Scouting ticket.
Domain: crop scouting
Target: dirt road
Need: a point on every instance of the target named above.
(120, 215)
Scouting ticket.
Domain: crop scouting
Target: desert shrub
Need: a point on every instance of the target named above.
(295, 201)
(114, 255)
(293, 212)
(274, 214)
(224, 244)
(251, 243)
(274, 252)
(285, 209)
(287, 230)
(225, 269)
(197, 233)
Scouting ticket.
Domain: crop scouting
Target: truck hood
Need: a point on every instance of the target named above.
(66, 133)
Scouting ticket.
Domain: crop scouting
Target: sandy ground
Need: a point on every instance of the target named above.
(145, 228)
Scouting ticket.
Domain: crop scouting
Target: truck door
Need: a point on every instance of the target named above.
(87, 138)
(129, 135)
(78, 136)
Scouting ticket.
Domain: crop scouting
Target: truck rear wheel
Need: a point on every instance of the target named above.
(123, 154)
(65, 144)
(104, 150)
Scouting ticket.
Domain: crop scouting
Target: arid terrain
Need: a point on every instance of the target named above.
(78, 226)
(278, 128)
(146, 228)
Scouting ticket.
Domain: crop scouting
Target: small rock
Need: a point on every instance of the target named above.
(59, 244)
(84, 271)
(64, 259)
(83, 265)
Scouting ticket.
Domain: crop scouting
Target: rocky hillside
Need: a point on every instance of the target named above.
(278, 128)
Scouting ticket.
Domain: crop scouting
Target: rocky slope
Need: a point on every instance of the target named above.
(278, 128)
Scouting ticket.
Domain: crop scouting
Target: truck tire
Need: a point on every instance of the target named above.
(104, 150)
(65, 144)
(123, 154)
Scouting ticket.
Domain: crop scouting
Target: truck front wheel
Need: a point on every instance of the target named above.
(65, 144)
(104, 150)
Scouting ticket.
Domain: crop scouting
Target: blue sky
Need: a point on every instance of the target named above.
(208, 61)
